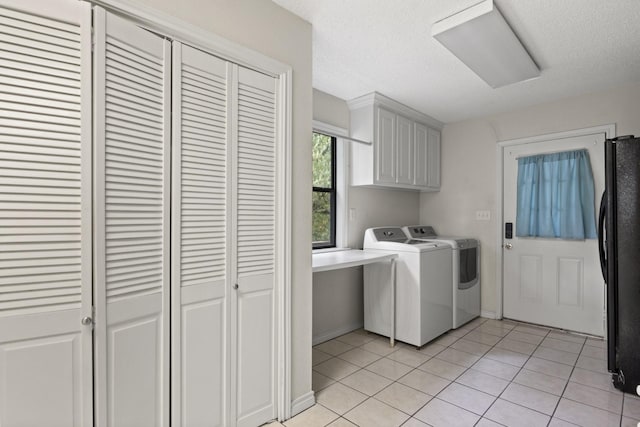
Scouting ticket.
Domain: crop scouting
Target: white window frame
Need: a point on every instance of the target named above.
(342, 183)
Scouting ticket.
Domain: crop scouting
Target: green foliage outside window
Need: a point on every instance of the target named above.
(322, 180)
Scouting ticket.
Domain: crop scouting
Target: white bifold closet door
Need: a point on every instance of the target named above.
(200, 233)
(132, 133)
(45, 213)
(254, 243)
(223, 242)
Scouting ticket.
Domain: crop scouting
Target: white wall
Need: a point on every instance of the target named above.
(337, 296)
(271, 30)
(469, 163)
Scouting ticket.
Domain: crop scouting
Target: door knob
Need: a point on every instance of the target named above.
(508, 246)
(86, 320)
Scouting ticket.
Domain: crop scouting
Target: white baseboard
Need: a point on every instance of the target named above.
(488, 314)
(305, 401)
(326, 336)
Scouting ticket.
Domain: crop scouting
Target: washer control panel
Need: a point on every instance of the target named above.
(422, 232)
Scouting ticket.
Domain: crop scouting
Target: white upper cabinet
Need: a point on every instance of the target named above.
(405, 152)
(421, 158)
(405, 145)
(386, 147)
(433, 159)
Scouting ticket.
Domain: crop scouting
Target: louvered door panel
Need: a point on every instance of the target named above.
(256, 174)
(200, 363)
(132, 206)
(255, 247)
(45, 213)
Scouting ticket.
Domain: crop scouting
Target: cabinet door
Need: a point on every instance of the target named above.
(385, 147)
(133, 89)
(200, 202)
(45, 213)
(421, 157)
(254, 348)
(404, 170)
(433, 154)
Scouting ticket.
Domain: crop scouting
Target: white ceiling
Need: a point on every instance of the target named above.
(361, 46)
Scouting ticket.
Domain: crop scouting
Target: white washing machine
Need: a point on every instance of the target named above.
(423, 300)
(466, 271)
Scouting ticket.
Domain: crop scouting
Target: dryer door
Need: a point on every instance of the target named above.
(469, 267)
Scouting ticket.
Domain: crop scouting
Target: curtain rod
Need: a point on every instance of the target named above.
(359, 141)
(552, 152)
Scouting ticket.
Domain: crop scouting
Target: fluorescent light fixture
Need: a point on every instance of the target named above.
(481, 38)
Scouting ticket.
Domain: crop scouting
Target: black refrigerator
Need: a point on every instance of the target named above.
(619, 245)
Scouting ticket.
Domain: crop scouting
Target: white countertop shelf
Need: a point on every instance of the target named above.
(326, 261)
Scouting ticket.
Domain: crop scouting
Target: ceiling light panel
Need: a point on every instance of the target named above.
(483, 40)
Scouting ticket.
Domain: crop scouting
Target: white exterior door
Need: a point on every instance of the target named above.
(404, 171)
(200, 235)
(45, 214)
(255, 200)
(132, 98)
(553, 282)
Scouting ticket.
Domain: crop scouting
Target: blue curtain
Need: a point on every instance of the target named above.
(556, 196)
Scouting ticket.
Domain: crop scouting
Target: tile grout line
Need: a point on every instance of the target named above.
(584, 343)
(517, 373)
(466, 368)
(519, 370)
(450, 381)
(621, 415)
(549, 330)
(573, 368)
(364, 368)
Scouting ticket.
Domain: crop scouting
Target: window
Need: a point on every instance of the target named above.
(324, 191)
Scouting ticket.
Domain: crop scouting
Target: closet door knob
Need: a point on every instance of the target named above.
(86, 320)
(235, 286)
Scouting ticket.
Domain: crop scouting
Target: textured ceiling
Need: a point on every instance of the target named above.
(360, 46)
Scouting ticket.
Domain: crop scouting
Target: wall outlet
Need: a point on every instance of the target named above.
(483, 215)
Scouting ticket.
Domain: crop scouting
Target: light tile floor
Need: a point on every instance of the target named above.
(487, 373)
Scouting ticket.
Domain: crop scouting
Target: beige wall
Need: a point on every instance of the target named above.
(337, 296)
(267, 28)
(329, 109)
(469, 163)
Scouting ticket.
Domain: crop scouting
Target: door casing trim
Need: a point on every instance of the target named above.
(609, 130)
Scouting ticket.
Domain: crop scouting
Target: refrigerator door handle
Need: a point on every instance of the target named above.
(601, 241)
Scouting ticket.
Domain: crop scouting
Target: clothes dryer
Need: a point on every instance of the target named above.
(465, 271)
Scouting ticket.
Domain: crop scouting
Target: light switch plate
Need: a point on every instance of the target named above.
(483, 215)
